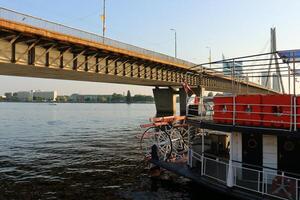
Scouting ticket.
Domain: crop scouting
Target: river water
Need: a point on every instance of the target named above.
(79, 151)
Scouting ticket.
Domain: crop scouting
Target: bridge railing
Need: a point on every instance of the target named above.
(14, 16)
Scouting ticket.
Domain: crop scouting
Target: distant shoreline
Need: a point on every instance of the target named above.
(77, 102)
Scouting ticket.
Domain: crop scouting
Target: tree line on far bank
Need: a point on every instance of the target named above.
(114, 98)
(138, 98)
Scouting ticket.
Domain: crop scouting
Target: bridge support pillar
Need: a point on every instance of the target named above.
(199, 92)
(182, 101)
(165, 101)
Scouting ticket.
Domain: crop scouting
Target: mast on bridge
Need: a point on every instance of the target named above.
(274, 57)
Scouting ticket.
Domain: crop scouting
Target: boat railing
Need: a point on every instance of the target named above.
(279, 116)
(278, 107)
(215, 169)
(247, 178)
(262, 180)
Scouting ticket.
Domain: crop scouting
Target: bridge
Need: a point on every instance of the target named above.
(33, 47)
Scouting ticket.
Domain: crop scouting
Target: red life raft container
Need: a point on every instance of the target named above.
(223, 109)
(248, 110)
(277, 111)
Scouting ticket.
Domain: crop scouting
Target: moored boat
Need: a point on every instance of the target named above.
(248, 144)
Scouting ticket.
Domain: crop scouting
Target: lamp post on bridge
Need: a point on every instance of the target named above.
(209, 58)
(175, 34)
(103, 19)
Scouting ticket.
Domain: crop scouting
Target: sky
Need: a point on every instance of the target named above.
(230, 27)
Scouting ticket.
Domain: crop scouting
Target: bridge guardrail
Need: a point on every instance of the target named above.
(59, 28)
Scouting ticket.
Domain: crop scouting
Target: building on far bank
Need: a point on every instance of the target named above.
(24, 96)
(275, 82)
(88, 98)
(45, 95)
(8, 95)
(264, 78)
(62, 99)
(29, 96)
(76, 98)
(228, 67)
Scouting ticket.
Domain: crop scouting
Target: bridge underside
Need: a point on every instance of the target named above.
(11, 69)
